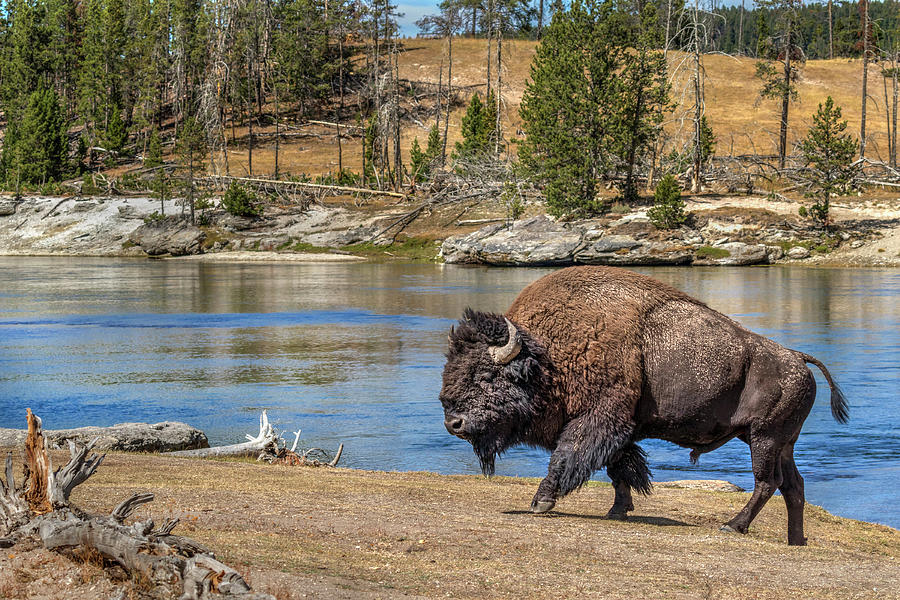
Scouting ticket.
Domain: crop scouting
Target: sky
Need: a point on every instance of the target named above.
(413, 10)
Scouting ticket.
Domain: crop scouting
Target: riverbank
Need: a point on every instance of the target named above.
(341, 533)
(724, 230)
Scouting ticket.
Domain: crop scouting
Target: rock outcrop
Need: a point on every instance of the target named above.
(7, 208)
(621, 250)
(739, 254)
(168, 436)
(630, 241)
(170, 235)
(537, 241)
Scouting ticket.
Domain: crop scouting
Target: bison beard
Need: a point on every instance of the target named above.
(590, 360)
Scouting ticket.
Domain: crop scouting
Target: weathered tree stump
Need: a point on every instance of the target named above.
(171, 565)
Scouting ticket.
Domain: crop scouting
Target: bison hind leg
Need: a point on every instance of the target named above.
(628, 471)
(630, 467)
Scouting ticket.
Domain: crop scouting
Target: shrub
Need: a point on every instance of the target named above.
(712, 252)
(668, 207)
(240, 202)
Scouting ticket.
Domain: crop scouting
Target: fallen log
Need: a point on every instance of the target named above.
(268, 446)
(171, 565)
(254, 445)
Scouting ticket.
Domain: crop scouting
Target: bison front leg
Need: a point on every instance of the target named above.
(586, 444)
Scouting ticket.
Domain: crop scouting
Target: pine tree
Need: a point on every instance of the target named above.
(417, 162)
(191, 148)
(707, 140)
(829, 153)
(92, 93)
(160, 181)
(646, 96)
(668, 207)
(478, 128)
(38, 148)
(781, 86)
(435, 144)
(116, 133)
(571, 108)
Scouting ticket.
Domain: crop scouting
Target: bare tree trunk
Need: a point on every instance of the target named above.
(540, 23)
(490, 33)
(250, 138)
(499, 87)
(277, 130)
(668, 27)
(865, 77)
(438, 99)
(830, 32)
(894, 110)
(697, 178)
(340, 111)
(191, 179)
(741, 31)
(398, 163)
(449, 98)
(887, 116)
(786, 96)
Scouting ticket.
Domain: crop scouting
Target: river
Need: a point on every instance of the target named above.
(353, 352)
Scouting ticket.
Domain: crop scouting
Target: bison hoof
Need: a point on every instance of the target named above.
(542, 506)
(729, 529)
(617, 516)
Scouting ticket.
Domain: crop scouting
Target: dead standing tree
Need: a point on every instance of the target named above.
(40, 509)
(693, 27)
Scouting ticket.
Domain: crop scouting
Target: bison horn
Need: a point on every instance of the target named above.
(503, 354)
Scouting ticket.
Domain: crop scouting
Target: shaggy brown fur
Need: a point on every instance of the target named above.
(610, 357)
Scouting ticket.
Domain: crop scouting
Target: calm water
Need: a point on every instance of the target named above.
(353, 353)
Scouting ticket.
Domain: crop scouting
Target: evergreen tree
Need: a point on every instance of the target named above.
(36, 150)
(668, 207)
(571, 108)
(153, 159)
(476, 140)
(417, 162)
(707, 140)
(116, 132)
(829, 153)
(191, 148)
(435, 144)
(92, 86)
(782, 86)
(645, 96)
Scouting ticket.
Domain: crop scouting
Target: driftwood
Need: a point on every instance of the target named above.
(268, 446)
(266, 438)
(171, 565)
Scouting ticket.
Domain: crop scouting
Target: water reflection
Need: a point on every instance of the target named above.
(353, 353)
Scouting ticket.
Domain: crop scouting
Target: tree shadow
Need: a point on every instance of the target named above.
(646, 520)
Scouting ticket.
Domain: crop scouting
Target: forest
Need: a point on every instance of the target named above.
(90, 85)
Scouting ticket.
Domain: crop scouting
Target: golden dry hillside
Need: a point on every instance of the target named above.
(742, 122)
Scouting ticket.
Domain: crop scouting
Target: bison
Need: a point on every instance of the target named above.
(588, 361)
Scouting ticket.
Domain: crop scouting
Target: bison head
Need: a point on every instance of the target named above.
(493, 382)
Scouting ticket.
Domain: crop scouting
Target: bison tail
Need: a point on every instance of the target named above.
(840, 410)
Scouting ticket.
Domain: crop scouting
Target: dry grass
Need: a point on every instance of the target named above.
(741, 121)
(357, 534)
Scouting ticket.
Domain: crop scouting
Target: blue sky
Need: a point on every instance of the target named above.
(413, 10)
(416, 9)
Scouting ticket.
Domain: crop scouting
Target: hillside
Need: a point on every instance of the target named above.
(742, 122)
